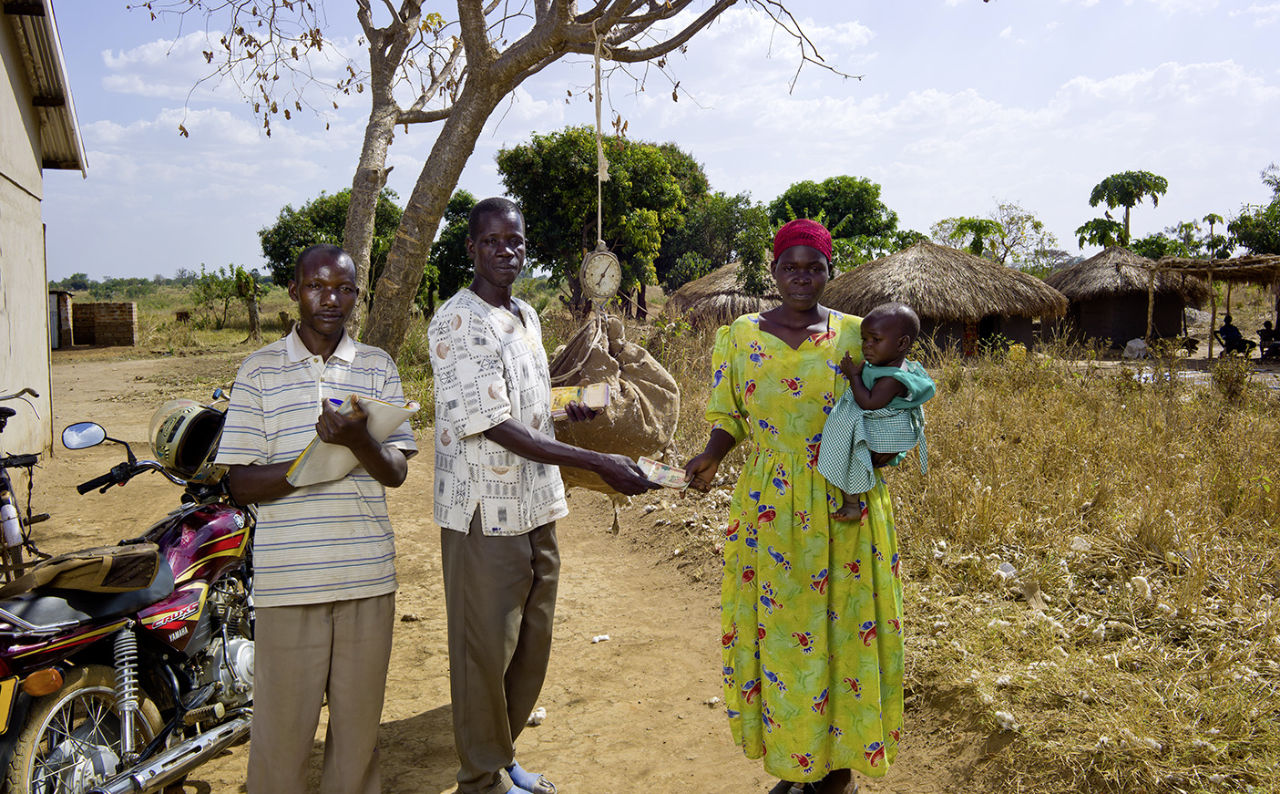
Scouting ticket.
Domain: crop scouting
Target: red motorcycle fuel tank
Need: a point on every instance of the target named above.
(199, 545)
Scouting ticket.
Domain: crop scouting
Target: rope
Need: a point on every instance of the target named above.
(602, 163)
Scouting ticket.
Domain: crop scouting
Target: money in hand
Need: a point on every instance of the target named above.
(662, 474)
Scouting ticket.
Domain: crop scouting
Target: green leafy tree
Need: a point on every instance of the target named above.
(690, 266)
(449, 267)
(553, 177)
(1218, 246)
(1257, 227)
(322, 220)
(1101, 231)
(754, 243)
(76, 282)
(1010, 235)
(1155, 246)
(1186, 239)
(852, 206)
(213, 293)
(712, 225)
(976, 235)
(1128, 189)
(849, 252)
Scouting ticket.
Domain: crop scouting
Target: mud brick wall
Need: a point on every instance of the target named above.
(105, 324)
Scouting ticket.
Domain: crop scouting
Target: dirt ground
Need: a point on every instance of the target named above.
(623, 714)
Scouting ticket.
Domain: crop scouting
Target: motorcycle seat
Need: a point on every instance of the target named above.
(51, 607)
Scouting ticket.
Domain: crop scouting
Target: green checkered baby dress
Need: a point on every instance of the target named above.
(852, 434)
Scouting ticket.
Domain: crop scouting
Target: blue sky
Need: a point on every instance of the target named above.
(962, 104)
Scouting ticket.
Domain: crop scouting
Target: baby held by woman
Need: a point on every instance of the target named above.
(880, 412)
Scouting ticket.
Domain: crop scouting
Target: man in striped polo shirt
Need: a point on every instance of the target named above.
(324, 555)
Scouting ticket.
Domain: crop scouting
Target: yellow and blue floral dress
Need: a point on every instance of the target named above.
(811, 609)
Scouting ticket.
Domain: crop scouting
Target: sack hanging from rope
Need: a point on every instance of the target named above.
(644, 402)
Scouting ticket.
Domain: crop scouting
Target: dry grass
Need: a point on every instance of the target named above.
(1135, 645)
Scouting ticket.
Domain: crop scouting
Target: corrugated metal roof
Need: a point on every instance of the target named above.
(41, 51)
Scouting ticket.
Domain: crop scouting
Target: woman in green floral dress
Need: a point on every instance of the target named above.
(811, 608)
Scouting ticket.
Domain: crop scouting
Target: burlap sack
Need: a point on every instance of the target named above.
(644, 404)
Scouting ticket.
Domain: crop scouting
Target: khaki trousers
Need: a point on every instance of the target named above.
(500, 597)
(301, 653)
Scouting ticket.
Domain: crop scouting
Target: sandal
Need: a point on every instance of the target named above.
(530, 782)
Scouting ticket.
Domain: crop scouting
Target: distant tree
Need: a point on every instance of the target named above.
(184, 277)
(1101, 231)
(849, 252)
(754, 243)
(1010, 235)
(976, 235)
(76, 282)
(690, 266)
(1185, 239)
(553, 177)
(1155, 246)
(448, 265)
(214, 291)
(1127, 189)
(1218, 246)
(1257, 227)
(1049, 260)
(322, 220)
(711, 228)
(850, 203)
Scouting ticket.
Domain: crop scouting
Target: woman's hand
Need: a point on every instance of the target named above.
(701, 471)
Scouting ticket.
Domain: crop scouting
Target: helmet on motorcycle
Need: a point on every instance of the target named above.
(184, 436)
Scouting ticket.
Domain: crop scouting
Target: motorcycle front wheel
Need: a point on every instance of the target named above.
(71, 741)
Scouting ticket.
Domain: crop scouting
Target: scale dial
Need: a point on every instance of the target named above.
(601, 275)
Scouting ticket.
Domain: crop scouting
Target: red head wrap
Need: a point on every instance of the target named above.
(802, 231)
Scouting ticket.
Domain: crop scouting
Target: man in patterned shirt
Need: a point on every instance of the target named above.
(497, 495)
(324, 555)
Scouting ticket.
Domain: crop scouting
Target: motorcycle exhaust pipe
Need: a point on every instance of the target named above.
(168, 766)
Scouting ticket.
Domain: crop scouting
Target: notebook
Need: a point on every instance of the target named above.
(323, 462)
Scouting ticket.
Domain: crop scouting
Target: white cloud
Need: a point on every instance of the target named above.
(1261, 13)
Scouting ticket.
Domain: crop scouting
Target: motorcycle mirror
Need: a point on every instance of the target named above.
(83, 435)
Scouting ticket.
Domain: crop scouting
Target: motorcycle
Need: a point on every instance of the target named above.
(124, 668)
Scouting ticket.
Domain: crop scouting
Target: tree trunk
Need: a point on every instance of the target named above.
(371, 176)
(398, 284)
(386, 48)
(642, 307)
(255, 327)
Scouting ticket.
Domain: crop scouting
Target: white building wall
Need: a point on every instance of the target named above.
(24, 316)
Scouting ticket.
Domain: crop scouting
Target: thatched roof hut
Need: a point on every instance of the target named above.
(961, 298)
(1121, 271)
(1109, 293)
(716, 299)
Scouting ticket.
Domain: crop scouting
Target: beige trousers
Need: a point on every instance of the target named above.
(341, 648)
(500, 597)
